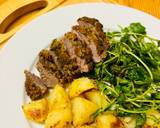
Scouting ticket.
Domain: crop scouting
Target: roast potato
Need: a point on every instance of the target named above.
(82, 110)
(152, 116)
(58, 98)
(108, 121)
(129, 122)
(59, 118)
(96, 97)
(79, 86)
(36, 110)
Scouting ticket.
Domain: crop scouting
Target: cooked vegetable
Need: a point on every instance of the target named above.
(82, 110)
(130, 75)
(79, 86)
(108, 121)
(58, 98)
(96, 97)
(59, 118)
(36, 110)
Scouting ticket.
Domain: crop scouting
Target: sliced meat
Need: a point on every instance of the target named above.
(35, 87)
(67, 65)
(96, 26)
(79, 51)
(49, 68)
(47, 60)
(63, 57)
(48, 76)
(93, 42)
(58, 64)
(50, 64)
(68, 57)
(74, 53)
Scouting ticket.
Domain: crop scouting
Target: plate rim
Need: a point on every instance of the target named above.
(8, 45)
(71, 5)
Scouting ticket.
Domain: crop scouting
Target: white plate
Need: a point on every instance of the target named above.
(23, 48)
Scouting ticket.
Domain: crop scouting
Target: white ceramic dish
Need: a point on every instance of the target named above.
(22, 49)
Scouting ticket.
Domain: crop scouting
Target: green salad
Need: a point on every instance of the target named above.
(130, 74)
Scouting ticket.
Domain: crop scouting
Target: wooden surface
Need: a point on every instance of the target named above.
(9, 6)
(13, 10)
(150, 6)
(19, 9)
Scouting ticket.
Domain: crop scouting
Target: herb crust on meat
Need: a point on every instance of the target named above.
(69, 56)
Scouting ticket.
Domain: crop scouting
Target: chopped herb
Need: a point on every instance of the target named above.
(140, 120)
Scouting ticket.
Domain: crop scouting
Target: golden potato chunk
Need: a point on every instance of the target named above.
(79, 86)
(59, 118)
(58, 98)
(108, 121)
(152, 117)
(82, 110)
(36, 110)
(129, 122)
(96, 97)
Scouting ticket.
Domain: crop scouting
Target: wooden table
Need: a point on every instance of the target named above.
(150, 6)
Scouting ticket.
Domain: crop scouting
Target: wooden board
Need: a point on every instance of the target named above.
(11, 10)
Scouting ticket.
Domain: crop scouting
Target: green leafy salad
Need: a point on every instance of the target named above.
(130, 74)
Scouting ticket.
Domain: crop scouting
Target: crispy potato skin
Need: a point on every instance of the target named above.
(36, 110)
(78, 86)
(82, 110)
(108, 121)
(59, 118)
